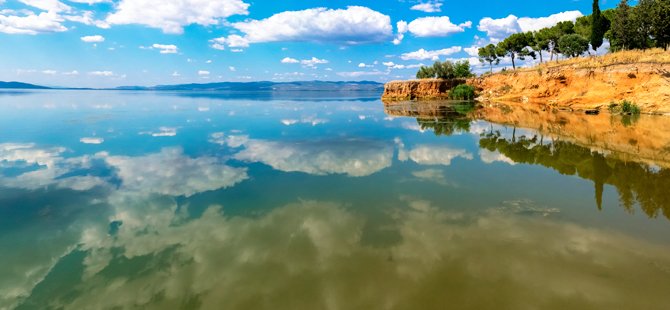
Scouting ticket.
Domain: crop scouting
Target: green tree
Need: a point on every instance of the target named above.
(599, 25)
(490, 54)
(623, 28)
(445, 70)
(425, 73)
(516, 46)
(539, 43)
(573, 45)
(462, 69)
(660, 23)
(642, 20)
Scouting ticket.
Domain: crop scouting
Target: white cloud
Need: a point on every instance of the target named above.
(203, 72)
(312, 62)
(289, 60)
(489, 157)
(93, 39)
(346, 156)
(155, 173)
(27, 22)
(355, 74)
(49, 72)
(48, 5)
(171, 16)
(402, 28)
(498, 29)
(472, 51)
(166, 48)
(231, 68)
(92, 140)
(352, 25)
(434, 26)
(428, 7)
(101, 73)
(90, 1)
(423, 54)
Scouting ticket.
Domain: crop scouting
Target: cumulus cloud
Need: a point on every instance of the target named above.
(27, 22)
(489, 157)
(435, 155)
(166, 48)
(352, 157)
(428, 6)
(47, 167)
(434, 26)
(48, 5)
(93, 39)
(423, 54)
(171, 16)
(170, 172)
(224, 259)
(498, 29)
(92, 140)
(402, 28)
(353, 25)
(289, 60)
(203, 72)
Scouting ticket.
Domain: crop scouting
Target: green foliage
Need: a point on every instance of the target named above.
(462, 92)
(425, 73)
(573, 45)
(490, 54)
(445, 70)
(628, 107)
(599, 26)
(516, 46)
(625, 107)
(660, 23)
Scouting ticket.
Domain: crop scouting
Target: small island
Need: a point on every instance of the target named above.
(633, 77)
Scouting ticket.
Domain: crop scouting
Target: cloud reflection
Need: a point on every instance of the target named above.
(311, 255)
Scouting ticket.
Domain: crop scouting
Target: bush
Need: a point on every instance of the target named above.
(462, 92)
(628, 107)
(445, 70)
(625, 107)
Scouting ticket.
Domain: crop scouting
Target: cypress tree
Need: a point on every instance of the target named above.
(598, 26)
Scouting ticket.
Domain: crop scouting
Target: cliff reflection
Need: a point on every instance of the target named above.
(635, 182)
(631, 156)
(442, 119)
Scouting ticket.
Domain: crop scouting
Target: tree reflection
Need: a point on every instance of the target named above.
(635, 182)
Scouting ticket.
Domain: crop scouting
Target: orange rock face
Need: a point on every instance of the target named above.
(576, 87)
(419, 89)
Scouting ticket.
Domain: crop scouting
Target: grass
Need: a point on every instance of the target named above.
(625, 107)
(654, 55)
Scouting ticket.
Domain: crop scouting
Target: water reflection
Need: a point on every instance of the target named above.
(320, 204)
(600, 158)
(310, 255)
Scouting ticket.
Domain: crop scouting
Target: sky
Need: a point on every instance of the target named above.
(108, 43)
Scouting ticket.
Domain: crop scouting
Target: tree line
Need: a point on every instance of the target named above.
(643, 26)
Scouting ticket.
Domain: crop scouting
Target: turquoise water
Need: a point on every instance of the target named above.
(195, 201)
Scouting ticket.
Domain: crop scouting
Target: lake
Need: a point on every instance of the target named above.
(205, 201)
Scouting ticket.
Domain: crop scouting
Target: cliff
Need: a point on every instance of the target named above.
(584, 83)
(419, 89)
(628, 138)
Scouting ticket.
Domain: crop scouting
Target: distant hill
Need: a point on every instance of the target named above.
(265, 86)
(19, 85)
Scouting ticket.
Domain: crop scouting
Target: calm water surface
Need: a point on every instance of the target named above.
(173, 200)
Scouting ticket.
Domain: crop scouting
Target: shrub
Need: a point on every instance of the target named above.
(628, 107)
(462, 92)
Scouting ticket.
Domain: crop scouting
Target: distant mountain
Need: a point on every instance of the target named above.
(265, 86)
(19, 85)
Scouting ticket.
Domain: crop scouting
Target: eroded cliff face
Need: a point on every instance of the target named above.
(573, 87)
(419, 89)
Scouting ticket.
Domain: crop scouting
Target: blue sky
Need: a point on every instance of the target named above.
(106, 43)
